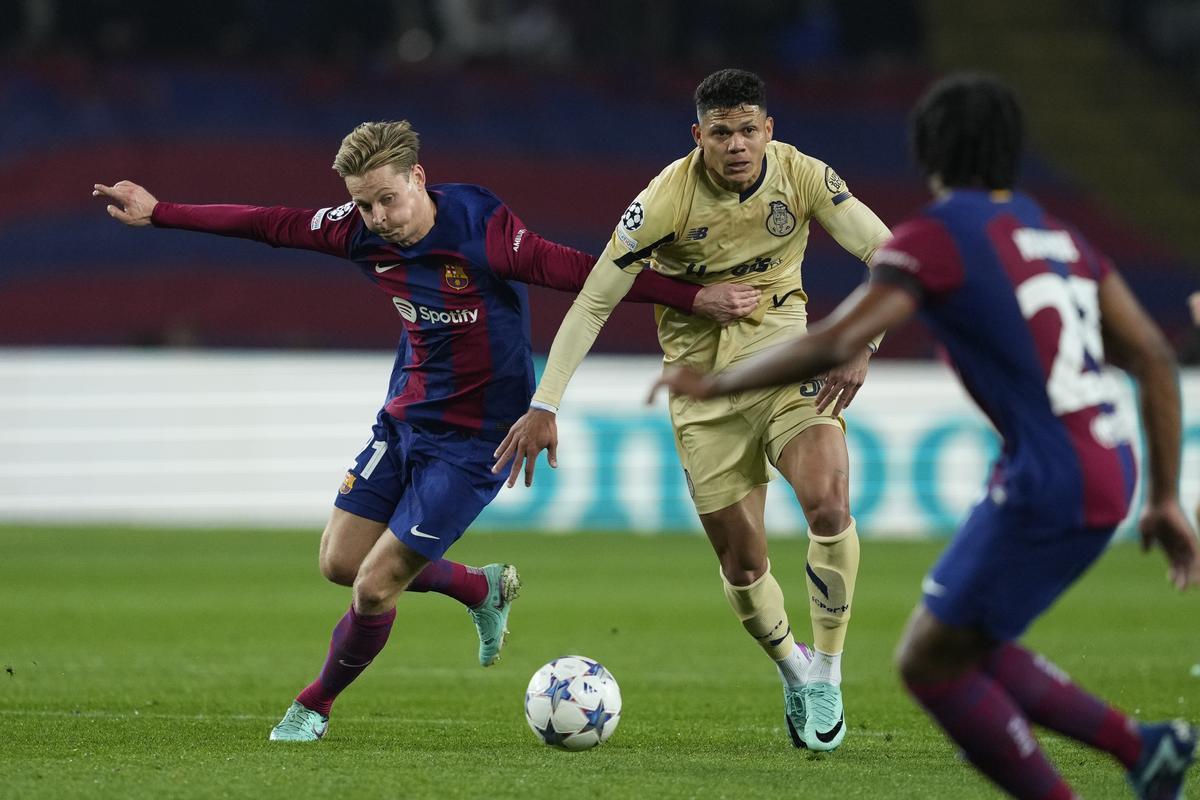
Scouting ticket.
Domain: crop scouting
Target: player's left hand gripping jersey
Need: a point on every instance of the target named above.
(694, 230)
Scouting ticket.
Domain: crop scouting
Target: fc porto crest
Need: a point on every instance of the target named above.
(781, 221)
(456, 277)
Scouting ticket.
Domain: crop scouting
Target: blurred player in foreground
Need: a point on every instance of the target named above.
(736, 210)
(447, 256)
(1027, 311)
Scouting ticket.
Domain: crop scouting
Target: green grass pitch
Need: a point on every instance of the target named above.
(151, 664)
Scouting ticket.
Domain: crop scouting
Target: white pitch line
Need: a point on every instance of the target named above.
(136, 715)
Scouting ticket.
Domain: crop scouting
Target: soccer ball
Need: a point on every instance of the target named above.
(573, 703)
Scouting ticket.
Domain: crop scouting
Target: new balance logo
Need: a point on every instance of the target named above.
(696, 234)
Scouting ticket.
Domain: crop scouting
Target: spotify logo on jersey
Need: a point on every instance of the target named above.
(406, 309)
(411, 313)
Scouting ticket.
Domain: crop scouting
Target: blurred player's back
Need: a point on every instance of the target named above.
(1017, 311)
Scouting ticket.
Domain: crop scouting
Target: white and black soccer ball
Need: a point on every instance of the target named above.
(573, 703)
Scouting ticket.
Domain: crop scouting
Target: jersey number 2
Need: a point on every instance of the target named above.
(1072, 385)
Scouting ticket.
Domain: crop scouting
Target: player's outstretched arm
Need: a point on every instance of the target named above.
(840, 337)
(1133, 342)
(128, 202)
(518, 253)
(326, 230)
(536, 430)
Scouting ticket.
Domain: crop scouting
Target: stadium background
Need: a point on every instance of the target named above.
(145, 374)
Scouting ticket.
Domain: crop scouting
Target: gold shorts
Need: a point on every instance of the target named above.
(726, 444)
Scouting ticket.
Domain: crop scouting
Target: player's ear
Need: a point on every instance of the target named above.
(416, 177)
(769, 127)
(696, 134)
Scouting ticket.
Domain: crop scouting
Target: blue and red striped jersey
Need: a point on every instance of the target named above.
(464, 361)
(1012, 296)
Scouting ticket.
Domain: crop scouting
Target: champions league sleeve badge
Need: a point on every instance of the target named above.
(781, 221)
(631, 220)
(339, 212)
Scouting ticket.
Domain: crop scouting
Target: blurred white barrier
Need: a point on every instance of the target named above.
(263, 438)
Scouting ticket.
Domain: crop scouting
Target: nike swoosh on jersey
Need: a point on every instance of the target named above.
(828, 735)
(415, 530)
(385, 267)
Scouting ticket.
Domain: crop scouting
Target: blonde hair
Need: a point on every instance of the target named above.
(376, 144)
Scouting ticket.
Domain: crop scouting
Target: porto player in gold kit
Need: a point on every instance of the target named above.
(736, 210)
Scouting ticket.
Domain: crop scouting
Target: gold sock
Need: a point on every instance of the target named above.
(760, 608)
(831, 570)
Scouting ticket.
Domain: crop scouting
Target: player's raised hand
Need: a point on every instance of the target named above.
(726, 303)
(685, 381)
(1166, 525)
(842, 383)
(130, 203)
(535, 431)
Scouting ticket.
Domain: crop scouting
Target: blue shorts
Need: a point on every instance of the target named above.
(428, 486)
(1004, 568)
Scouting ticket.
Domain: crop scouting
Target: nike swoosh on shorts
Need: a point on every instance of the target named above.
(415, 530)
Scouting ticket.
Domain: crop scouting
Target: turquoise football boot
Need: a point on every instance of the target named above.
(300, 724)
(793, 713)
(825, 722)
(491, 616)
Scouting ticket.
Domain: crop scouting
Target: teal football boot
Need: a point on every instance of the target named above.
(825, 723)
(300, 724)
(491, 616)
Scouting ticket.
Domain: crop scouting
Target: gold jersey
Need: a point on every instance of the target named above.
(686, 226)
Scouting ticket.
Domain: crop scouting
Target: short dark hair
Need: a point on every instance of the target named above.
(730, 88)
(968, 130)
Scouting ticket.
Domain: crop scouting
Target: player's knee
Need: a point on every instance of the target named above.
(371, 595)
(827, 516)
(742, 569)
(339, 570)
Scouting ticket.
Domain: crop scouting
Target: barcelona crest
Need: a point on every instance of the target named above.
(347, 483)
(456, 277)
(781, 221)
